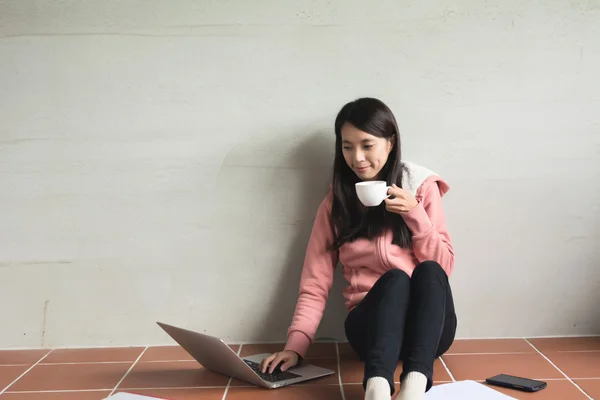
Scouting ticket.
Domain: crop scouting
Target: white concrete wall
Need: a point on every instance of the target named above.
(163, 160)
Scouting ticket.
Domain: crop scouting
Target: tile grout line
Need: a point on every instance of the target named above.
(200, 387)
(86, 362)
(318, 341)
(559, 370)
(59, 391)
(231, 378)
(519, 352)
(447, 369)
(128, 371)
(26, 371)
(360, 383)
(339, 368)
(488, 354)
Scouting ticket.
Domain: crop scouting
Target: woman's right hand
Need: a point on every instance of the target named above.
(289, 359)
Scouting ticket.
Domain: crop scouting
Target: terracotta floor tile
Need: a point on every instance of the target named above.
(354, 392)
(566, 344)
(591, 387)
(352, 371)
(166, 353)
(9, 373)
(346, 351)
(183, 394)
(94, 395)
(312, 392)
(490, 346)
(329, 363)
(169, 374)
(556, 390)
(577, 364)
(25, 357)
(94, 355)
(71, 377)
(480, 367)
(315, 350)
(171, 353)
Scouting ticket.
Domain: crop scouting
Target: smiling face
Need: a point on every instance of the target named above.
(364, 153)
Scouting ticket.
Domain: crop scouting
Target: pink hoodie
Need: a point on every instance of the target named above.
(364, 261)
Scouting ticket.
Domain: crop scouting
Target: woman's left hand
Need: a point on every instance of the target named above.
(402, 202)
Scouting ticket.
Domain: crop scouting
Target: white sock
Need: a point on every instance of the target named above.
(413, 387)
(378, 388)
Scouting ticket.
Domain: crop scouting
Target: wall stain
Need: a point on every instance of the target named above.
(33, 262)
(44, 321)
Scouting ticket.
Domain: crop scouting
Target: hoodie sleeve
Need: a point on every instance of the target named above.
(315, 282)
(431, 240)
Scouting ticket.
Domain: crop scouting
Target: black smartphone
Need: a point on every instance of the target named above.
(515, 382)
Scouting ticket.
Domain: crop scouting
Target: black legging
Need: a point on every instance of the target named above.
(402, 318)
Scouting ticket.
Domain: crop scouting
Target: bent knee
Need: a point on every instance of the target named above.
(430, 268)
(396, 275)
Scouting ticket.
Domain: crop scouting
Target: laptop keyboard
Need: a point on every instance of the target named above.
(275, 376)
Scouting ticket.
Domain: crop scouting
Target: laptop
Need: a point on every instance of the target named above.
(214, 354)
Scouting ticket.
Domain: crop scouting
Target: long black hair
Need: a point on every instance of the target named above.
(350, 218)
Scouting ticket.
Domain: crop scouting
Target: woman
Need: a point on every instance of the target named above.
(397, 258)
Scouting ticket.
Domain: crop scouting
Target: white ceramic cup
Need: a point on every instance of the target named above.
(372, 193)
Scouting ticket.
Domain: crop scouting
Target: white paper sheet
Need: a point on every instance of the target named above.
(130, 396)
(465, 390)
